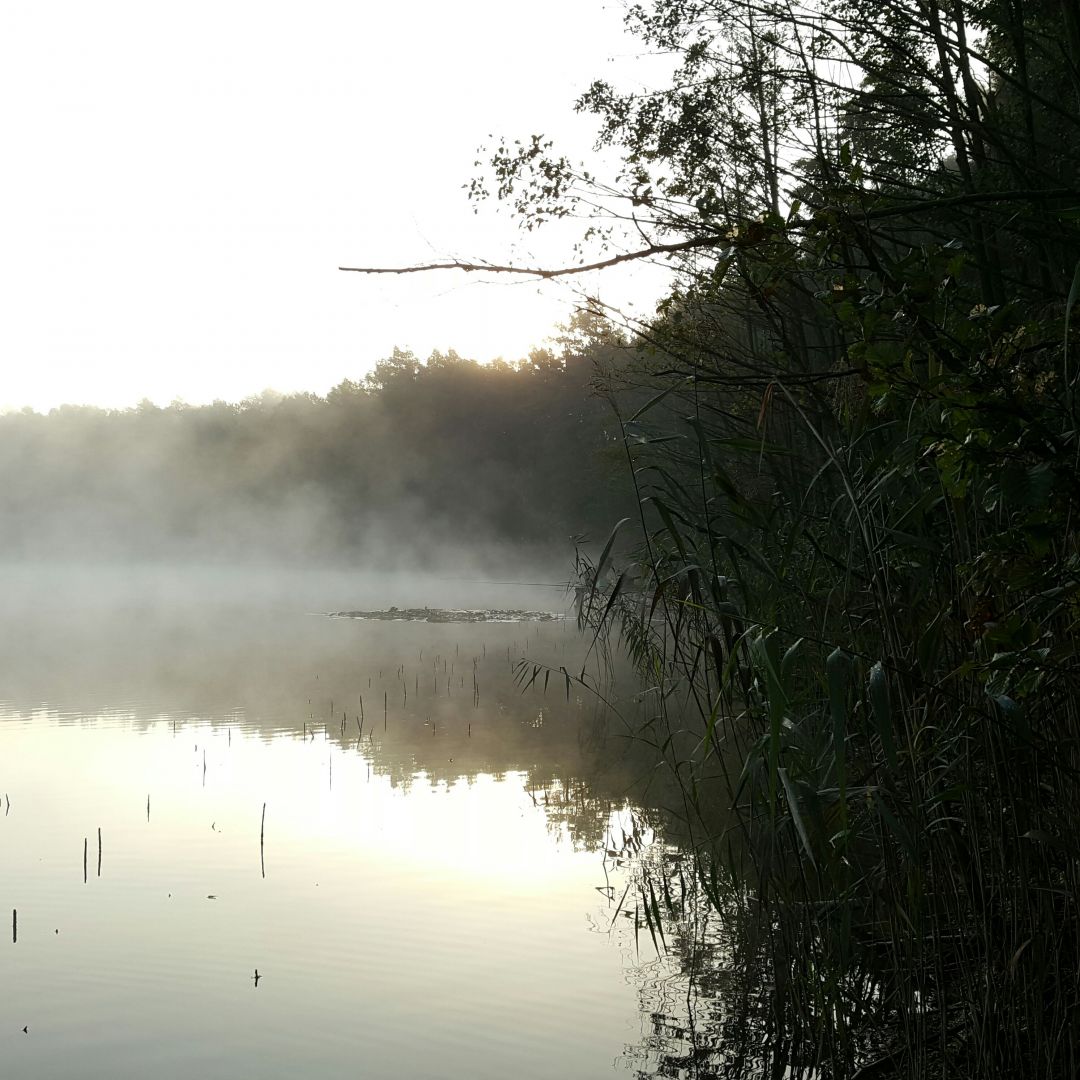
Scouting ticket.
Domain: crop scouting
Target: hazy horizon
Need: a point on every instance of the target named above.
(188, 183)
(268, 392)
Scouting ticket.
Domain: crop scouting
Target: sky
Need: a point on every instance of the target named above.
(182, 182)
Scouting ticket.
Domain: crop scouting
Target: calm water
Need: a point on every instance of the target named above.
(441, 893)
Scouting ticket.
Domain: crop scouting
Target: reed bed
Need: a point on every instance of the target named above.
(856, 630)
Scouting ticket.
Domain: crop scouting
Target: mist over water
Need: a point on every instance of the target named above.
(445, 464)
(244, 833)
(433, 866)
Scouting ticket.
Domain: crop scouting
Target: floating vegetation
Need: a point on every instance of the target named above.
(451, 615)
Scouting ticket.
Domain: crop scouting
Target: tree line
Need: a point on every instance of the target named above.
(854, 443)
(416, 458)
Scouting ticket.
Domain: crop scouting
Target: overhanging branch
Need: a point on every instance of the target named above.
(712, 240)
(562, 271)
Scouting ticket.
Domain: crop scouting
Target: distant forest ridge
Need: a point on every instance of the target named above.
(418, 457)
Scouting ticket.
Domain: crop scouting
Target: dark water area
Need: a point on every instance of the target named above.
(239, 837)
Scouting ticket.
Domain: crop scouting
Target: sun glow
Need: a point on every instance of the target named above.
(188, 187)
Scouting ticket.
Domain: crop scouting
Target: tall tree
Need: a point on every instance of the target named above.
(858, 498)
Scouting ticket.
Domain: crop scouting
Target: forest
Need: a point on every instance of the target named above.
(854, 448)
(414, 462)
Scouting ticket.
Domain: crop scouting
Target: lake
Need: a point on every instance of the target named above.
(240, 837)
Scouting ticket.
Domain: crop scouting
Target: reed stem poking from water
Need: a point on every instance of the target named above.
(99, 851)
(362, 711)
(384, 710)
(14, 926)
(85, 846)
(147, 807)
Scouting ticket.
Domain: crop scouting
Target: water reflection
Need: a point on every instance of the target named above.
(421, 870)
(413, 895)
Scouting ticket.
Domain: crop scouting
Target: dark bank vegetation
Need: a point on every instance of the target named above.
(856, 596)
(418, 460)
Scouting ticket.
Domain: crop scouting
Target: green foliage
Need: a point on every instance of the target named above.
(855, 447)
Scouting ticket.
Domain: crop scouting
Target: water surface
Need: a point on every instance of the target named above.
(439, 886)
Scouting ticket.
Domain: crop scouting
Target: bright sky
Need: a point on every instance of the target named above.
(183, 180)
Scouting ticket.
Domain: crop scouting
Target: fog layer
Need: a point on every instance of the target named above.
(440, 462)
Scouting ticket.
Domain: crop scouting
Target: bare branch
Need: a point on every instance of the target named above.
(711, 240)
(603, 264)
